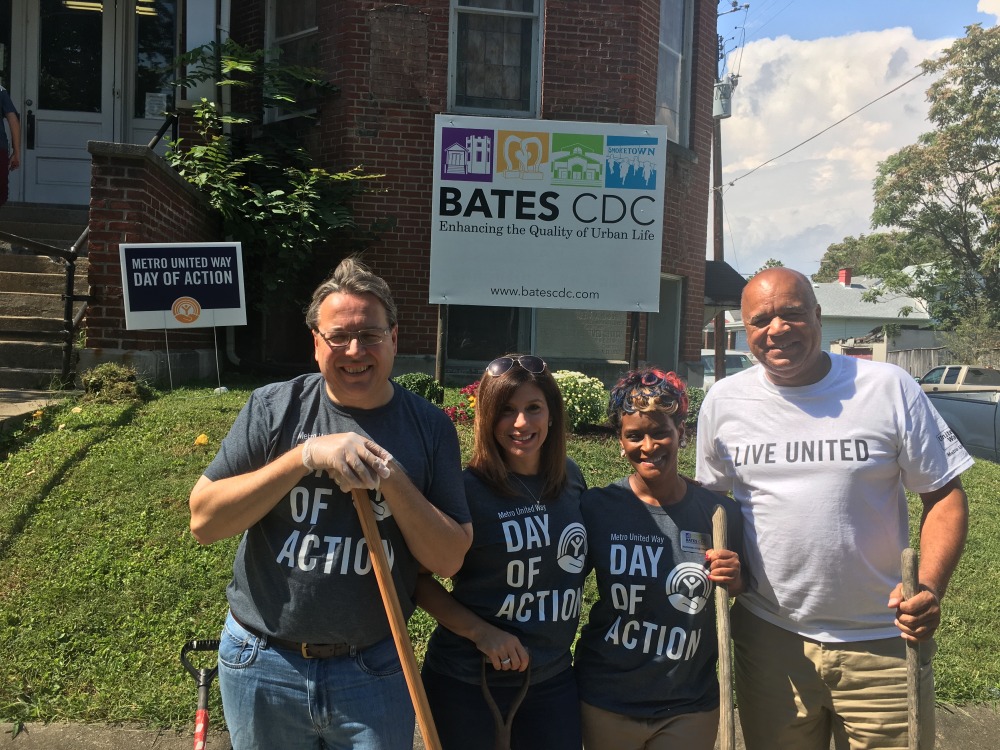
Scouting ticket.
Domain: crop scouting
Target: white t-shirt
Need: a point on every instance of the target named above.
(819, 472)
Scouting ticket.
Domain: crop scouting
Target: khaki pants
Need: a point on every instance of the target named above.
(606, 730)
(793, 693)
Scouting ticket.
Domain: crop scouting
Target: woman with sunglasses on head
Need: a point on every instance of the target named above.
(513, 612)
(646, 659)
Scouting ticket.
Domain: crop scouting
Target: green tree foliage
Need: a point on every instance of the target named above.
(944, 188)
(975, 340)
(770, 263)
(271, 196)
(874, 254)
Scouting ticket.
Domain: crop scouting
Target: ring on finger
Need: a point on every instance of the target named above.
(505, 661)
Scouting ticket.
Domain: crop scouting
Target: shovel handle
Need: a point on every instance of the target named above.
(203, 677)
(727, 723)
(913, 707)
(397, 623)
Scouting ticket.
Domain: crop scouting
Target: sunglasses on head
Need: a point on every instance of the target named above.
(529, 362)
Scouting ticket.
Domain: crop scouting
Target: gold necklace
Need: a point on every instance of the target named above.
(530, 493)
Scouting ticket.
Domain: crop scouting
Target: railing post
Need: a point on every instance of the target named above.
(70, 289)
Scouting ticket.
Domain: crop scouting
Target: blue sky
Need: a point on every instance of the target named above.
(805, 65)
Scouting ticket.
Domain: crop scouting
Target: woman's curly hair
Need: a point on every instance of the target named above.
(648, 389)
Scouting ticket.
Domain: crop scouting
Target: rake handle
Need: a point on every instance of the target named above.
(913, 707)
(727, 719)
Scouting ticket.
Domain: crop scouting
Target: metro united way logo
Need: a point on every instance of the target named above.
(631, 162)
(688, 588)
(467, 154)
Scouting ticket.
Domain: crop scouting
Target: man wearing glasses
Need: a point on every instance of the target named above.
(306, 654)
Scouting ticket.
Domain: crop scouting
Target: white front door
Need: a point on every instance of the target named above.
(91, 71)
(69, 96)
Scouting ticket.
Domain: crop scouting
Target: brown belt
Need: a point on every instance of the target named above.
(306, 650)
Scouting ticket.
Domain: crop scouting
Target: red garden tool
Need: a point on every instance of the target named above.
(203, 677)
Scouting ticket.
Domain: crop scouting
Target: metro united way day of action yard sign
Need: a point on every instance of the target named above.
(183, 285)
(541, 213)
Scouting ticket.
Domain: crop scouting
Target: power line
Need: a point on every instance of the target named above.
(826, 129)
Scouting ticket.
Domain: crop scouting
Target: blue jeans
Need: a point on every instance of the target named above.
(548, 719)
(274, 698)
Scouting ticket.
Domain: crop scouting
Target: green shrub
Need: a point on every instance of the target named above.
(112, 383)
(585, 398)
(695, 397)
(423, 385)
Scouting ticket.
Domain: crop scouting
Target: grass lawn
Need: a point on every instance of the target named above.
(103, 584)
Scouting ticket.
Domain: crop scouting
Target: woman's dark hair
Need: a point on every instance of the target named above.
(488, 458)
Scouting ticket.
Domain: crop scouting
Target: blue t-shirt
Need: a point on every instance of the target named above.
(524, 574)
(303, 572)
(649, 648)
(6, 107)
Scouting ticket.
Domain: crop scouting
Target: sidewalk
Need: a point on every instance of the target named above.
(958, 728)
(16, 405)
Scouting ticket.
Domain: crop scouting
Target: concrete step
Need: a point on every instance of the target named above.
(27, 379)
(33, 355)
(25, 263)
(30, 304)
(60, 235)
(30, 323)
(40, 283)
(55, 225)
(44, 213)
(30, 328)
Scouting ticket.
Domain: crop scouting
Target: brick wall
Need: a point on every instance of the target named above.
(136, 197)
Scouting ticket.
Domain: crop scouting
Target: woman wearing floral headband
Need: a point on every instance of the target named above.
(646, 660)
(511, 618)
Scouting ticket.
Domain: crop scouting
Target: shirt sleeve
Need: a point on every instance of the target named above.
(710, 470)
(930, 455)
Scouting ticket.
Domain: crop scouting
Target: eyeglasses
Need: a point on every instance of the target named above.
(531, 363)
(365, 337)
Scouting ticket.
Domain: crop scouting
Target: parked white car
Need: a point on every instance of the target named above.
(735, 361)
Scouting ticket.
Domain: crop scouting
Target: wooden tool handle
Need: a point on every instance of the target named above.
(727, 722)
(397, 623)
(913, 707)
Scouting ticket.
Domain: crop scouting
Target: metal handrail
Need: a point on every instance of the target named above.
(70, 321)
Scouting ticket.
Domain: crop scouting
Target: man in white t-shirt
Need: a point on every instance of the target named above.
(819, 449)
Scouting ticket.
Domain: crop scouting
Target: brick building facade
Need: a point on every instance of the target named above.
(397, 65)
(598, 61)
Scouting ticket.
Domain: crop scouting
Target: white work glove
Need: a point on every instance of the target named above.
(353, 462)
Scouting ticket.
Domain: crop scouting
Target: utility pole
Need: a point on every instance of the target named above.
(721, 109)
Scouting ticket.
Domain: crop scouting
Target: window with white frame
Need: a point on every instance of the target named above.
(673, 74)
(292, 30)
(494, 59)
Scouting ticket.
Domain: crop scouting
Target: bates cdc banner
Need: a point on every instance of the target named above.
(543, 213)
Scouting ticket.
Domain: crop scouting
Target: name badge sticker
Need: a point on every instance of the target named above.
(692, 541)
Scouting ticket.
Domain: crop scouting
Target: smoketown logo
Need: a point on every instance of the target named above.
(631, 162)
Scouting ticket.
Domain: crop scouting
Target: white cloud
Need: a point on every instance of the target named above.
(789, 91)
(990, 7)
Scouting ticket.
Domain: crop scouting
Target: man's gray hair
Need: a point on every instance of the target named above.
(351, 276)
